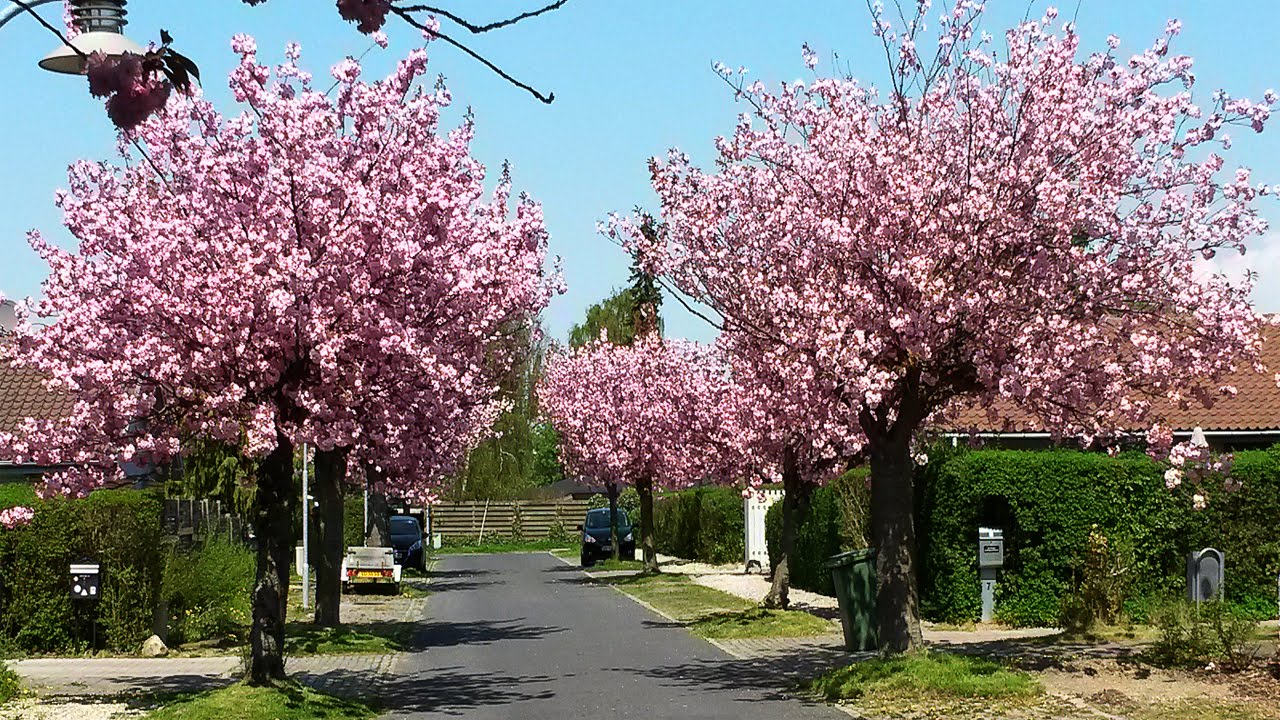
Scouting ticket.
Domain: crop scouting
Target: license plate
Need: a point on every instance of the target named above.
(369, 574)
(607, 548)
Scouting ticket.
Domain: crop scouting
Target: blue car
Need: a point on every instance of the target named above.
(597, 538)
(406, 542)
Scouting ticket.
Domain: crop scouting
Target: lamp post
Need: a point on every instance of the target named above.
(101, 25)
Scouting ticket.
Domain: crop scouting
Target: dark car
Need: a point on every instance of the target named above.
(406, 541)
(597, 539)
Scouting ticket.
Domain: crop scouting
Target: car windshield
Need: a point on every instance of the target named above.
(598, 520)
(404, 526)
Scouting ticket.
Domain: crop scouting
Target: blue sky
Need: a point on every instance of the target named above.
(631, 77)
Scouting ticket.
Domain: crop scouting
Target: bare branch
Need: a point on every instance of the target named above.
(407, 17)
(48, 26)
(476, 29)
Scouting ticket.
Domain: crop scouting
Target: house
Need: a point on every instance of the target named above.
(1250, 419)
(23, 395)
(570, 488)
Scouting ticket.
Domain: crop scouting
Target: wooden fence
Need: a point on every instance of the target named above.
(534, 520)
(191, 521)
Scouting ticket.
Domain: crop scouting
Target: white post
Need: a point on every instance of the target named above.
(306, 535)
(365, 537)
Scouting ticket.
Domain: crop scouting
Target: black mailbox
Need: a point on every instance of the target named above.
(86, 579)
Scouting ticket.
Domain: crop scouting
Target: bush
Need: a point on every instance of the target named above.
(14, 494)
(118, 528)
(1100, 586)
(10, 684)
(704, 524)
(1193, 636)
(1048, 502)
(836, 522)
(207, 590)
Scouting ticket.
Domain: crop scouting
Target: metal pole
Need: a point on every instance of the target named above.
(306, 535)
(365, 538)
(12, 12)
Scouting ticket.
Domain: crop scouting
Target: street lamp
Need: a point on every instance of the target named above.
(101, 24)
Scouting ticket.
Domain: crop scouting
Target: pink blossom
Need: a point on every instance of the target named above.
(15, 517)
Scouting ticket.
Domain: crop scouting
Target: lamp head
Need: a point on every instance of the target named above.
(101, 25)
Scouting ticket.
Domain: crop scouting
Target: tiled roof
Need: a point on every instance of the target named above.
(1256, 406)
(23, 395)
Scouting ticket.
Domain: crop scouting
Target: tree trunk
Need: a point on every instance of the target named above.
(273, 528)
(379, 533)
(331, 470)
(613, 518)
(795, 506)
(644, 487)
(893, 535)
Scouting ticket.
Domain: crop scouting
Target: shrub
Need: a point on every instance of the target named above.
(207, 590)
(118, 528)
(1195, 635)
(1100, 586)
(10, 684)
(13, 494)
(836, 522)
(704, 524)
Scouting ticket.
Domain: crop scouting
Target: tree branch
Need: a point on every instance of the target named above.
(48, 26)
(476, 29)
(404, 14)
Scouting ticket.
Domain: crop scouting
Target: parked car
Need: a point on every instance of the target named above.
(597, 539)
(406, 540)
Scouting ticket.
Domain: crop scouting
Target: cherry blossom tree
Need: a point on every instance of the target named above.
(320, 268)
(649, 414)
(1015, 220)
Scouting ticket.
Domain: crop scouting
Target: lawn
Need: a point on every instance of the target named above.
(715, 614)
(759, 622)
(926, 674)
(241, 702)
(307, 639)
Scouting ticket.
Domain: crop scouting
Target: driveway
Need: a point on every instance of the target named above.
(527, 636)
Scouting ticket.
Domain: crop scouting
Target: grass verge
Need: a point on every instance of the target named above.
(925, 677)
(715, 614)
(758, 622)
(307, 639)
(283, 702)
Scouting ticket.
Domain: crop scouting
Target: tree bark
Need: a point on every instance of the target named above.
(795, 506)
(273, 527)
(331, 470)
(644, 488)
(893, 535)
(379, 533)
(613, 518)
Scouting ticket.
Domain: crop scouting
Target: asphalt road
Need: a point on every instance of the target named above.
(527, 636)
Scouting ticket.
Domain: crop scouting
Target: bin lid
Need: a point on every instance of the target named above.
(851, 557)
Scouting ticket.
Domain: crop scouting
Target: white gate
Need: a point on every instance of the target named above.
(754, 508)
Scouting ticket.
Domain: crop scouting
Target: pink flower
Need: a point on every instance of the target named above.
(15, 517)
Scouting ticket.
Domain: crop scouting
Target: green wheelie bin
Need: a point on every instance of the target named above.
(854, 575)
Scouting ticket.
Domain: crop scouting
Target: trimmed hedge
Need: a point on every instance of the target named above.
(118, 528)
(836, 522)
(207, 590)
(1048, 501)
(704, 524)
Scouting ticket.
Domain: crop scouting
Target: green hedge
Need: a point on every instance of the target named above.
(118, 528)
(1047, 503)
(704, 524)
(836, 522)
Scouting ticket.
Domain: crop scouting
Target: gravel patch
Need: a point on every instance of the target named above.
(755, 587)
(43, 709)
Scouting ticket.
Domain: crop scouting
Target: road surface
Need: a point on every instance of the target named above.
(526, 636)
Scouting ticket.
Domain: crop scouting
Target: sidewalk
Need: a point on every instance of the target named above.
(347, 675)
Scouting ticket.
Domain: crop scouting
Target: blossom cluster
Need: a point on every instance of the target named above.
(14, 517)
(1018, 223)
(322, 267)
